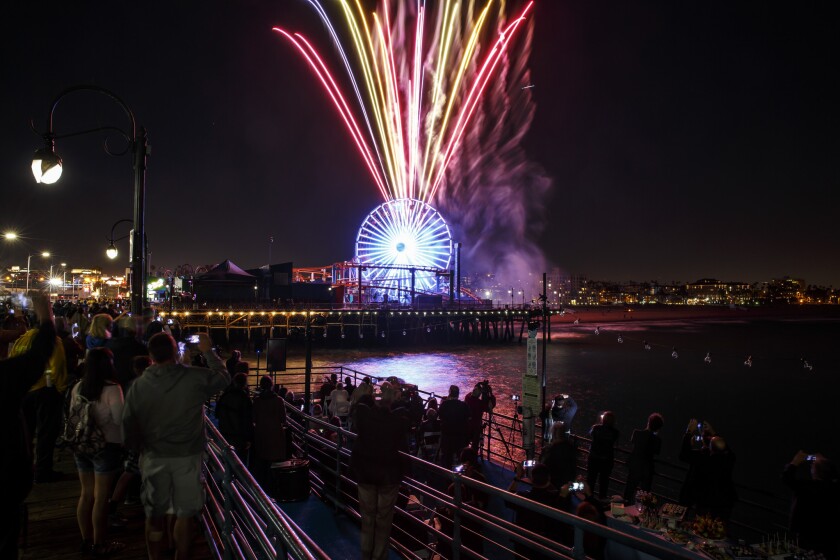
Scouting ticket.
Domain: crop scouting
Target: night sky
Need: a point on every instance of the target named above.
(683, 139)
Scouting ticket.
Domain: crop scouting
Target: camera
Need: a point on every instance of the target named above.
(459, 468)
(811, 458)
(514, 397)
(576, 486)
(529, 463)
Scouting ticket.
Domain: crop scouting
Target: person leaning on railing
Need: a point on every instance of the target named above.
(640, 465)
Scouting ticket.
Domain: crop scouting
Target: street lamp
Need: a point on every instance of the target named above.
(511, 297)
(111, 252)
(45, 255)
(46, 167)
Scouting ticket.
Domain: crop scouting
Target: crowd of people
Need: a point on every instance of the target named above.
(121, 394)
(147, 391)
(556, 478)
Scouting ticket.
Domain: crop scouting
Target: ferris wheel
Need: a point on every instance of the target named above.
(397, 236)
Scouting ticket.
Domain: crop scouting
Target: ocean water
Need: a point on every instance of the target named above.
(766, 412)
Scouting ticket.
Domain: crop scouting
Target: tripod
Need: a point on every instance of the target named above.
(512, 427)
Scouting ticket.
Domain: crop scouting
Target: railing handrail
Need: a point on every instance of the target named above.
(237, 479)
(299, 422)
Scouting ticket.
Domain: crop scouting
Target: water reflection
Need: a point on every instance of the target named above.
(792, 405)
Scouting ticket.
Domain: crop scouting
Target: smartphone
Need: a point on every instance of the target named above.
(181, 348)
(811, 458)
(699, 426)
(459, 468)
(514, 397)
(576, 486)
(169, 321)
(193, 339)
(529, 463)
(11, 311)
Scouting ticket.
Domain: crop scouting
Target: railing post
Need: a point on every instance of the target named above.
(340, 444)
(456, 521)
(227, 526)
(577, 551)
(489, 433)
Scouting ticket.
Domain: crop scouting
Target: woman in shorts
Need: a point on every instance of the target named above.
(97, 472)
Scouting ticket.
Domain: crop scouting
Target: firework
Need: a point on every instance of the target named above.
(412, 98)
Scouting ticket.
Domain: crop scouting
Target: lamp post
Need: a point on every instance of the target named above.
(46, 166)
(45, 255)
(111, 252)
(511, 297)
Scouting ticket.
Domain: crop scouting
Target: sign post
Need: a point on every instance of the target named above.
(530, 393)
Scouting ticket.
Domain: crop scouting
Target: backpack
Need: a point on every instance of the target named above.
(81, 433)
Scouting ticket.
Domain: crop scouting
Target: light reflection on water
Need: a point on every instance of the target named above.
(767, 412)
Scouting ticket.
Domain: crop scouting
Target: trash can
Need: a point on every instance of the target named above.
(290, 480)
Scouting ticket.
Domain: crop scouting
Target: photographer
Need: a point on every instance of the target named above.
(481, 400)
(813, 513)
(563, 409)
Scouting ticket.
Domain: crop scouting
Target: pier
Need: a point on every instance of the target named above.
(362, 327)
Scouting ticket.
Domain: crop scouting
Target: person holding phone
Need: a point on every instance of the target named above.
(164, 419)
(541, 491)
(813, 514)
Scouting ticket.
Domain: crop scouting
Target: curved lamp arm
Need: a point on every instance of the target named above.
(46, 166)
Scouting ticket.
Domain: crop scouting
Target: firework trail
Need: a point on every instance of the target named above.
(437, 111)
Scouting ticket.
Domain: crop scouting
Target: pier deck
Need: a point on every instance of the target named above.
(52, 531)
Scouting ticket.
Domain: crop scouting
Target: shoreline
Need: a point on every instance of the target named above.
(643, 313)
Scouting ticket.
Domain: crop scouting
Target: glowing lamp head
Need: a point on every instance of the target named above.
(400, 247)
(111, 251)
(55, 281)
(46, 166)
(10, 236)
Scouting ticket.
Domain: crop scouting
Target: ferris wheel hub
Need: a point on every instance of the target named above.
(399, 235)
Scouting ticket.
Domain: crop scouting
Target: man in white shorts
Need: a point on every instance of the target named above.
(164, 419)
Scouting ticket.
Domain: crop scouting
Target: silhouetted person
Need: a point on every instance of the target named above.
(640, 465)
(814, 515)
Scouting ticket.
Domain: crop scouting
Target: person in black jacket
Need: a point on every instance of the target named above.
(125, 348)
(814, 516)
(379, 468)
(454, 418)
(235, 413)
(543, 492)
(646, 445)
(560, 456)
(17, 375)
(709, 483)
(599, 465)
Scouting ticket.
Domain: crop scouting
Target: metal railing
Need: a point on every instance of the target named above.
(425, 513)
(239, 520)
(758, 512)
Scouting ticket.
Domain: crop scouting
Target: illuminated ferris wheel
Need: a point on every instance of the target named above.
(397, 236)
